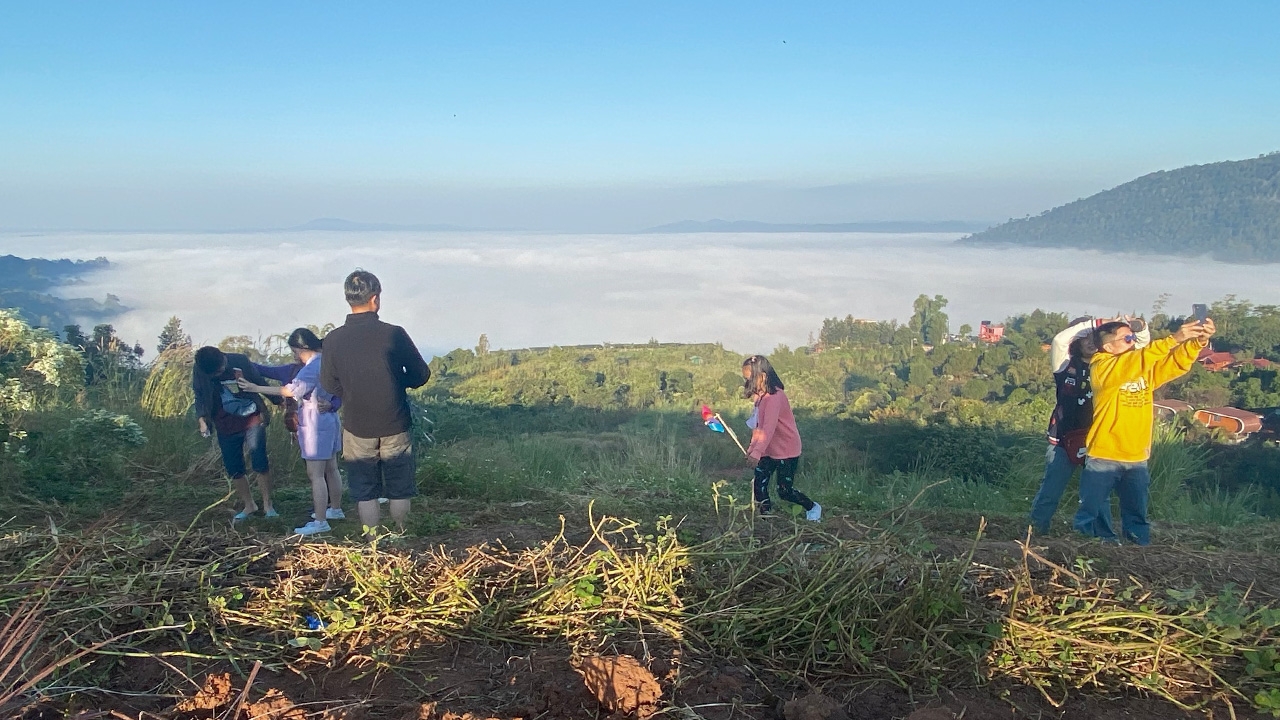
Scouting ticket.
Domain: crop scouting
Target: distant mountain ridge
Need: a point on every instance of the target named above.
(1227, 210)
(340, 225)
(887, 226)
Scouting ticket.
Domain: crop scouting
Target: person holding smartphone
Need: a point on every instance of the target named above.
(1119, 441)
(1069, 356)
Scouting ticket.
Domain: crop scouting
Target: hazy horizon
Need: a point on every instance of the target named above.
(611, 118)
(748, 291)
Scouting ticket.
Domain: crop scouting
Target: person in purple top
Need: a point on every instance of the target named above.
(319, 430)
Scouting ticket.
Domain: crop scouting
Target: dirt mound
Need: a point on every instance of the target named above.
(934, 713)
(814, 706)
(621, 684)
(218, 696)
(216, 693)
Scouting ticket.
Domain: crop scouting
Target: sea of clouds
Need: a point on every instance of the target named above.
(749, 291)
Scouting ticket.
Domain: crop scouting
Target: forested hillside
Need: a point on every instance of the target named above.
(1228, 210)
(25, 285)
(855, 369)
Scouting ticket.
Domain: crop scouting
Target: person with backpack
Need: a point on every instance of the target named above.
(1069, 356)
(775, 440)
(319, 431)
(238, 418)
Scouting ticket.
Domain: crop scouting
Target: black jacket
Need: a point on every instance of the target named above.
(370, 364)
(208, 395)
(1074, 410)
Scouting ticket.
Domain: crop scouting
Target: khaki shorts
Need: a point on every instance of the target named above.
(380, 467)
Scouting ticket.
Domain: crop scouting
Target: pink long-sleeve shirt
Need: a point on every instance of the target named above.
(775, 434)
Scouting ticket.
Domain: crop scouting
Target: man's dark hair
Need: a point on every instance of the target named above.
(360, 287)
(210, 360)
(1108, 332)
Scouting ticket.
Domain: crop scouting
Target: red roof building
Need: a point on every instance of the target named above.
(1238, 423)
(1168, 408)
(990, 333)
(1215, 361)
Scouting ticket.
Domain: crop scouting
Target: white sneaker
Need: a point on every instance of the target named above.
(814, 514)
(313, 527)
(332, 514)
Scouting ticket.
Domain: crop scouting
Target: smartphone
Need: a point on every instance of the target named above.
(1201, 312)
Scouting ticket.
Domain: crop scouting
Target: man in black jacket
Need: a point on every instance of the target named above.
(370, 364)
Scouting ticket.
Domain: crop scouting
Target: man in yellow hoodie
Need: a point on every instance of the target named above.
(1119, 443)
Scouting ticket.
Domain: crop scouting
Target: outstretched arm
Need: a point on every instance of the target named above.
(1059, 349)
(276, 390)
(1191, 338)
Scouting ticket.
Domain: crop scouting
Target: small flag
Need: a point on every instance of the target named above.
(716, 423)
(710, 420)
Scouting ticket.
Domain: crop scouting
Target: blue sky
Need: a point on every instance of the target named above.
(612, 115)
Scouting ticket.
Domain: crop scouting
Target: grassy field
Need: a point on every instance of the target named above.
(579, 533)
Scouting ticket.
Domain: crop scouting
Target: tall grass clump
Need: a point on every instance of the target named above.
(167, 392)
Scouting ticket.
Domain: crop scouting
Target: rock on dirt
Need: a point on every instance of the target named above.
(814, 706)
(621, 684)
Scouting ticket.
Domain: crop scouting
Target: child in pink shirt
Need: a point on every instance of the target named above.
(775, 441)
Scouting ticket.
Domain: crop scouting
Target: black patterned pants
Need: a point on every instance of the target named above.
(786, 471)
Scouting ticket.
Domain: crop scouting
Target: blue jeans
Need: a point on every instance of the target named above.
(233, 447)
(1058, 470)
(1131, 481)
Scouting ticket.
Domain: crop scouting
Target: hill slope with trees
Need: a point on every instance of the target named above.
(27, 285)
(1228, 210)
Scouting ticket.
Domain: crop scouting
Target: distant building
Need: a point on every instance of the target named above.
(1169, 408)
(1215, 361)
(989, 333)
(1219, 361)
(1238, 423)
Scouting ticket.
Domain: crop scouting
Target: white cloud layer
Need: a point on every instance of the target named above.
(749, 291)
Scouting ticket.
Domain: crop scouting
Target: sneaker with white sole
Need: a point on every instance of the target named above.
(332, 514)
(313, 527)
(814, 514)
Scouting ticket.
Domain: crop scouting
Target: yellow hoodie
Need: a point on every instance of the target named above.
(1122, 395)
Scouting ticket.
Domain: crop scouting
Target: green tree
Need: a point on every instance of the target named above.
(929, 322)
(172, 336)
(482, 347)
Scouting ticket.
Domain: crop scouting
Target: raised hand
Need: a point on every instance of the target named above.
(1192, 330)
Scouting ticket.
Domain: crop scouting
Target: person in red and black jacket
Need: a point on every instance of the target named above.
(238, 418)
